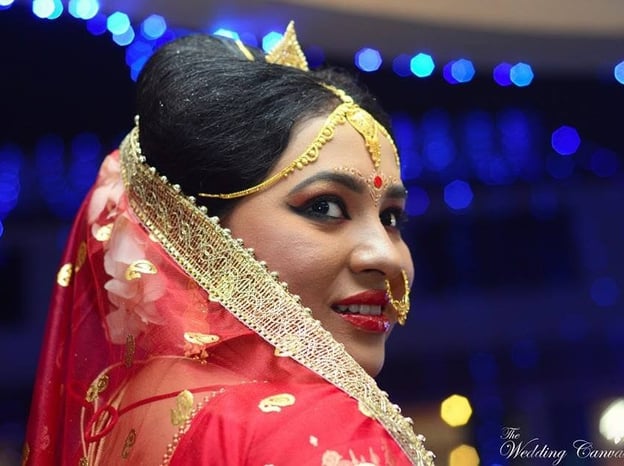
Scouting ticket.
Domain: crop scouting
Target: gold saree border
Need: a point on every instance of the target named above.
(232, 276)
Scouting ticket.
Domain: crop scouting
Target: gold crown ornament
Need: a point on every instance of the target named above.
(288, 52)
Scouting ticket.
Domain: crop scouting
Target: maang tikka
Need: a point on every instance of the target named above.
(288, 52)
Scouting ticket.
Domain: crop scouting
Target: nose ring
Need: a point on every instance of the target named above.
(401, 306)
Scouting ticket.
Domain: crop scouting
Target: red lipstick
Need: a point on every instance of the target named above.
(366, 322)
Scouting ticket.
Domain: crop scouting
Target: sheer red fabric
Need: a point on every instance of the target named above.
(139, 367)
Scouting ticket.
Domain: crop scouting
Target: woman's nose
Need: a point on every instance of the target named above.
(380, 250)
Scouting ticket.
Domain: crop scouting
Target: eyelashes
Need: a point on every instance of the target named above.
(331, 208)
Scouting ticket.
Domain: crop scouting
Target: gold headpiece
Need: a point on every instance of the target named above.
(288, 52)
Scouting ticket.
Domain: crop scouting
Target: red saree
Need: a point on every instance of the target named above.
(168, 343)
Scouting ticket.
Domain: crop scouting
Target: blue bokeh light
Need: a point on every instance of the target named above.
(438, 149)
(5, 4)
(83, 9)
(618, 72)
(270, 40)
(249, 38)
(153, 27)
(462, 70)
(368, 59)
(559, 167)
(447, 73)
(401, 65)
(604, 163)
(43, 8)
(58, 10)
(521, 74)
(458, 194)
(565, 140)
(118, 23)
(125, 38)
(97, 24)
(10, 164)
(422, 65)
(501, 74)
(605, 291)
(138, 50)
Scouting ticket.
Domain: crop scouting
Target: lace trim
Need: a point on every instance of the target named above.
(234, 278)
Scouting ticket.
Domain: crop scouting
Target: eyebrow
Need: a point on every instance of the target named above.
(350, 182)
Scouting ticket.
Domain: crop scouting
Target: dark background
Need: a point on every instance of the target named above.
(518, 298)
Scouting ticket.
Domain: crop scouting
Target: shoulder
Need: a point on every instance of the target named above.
(280, 423)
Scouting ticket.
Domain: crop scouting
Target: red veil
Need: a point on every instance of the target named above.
(169, 343)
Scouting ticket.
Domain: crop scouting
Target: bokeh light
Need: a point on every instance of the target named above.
(97, 24)
(611, 425)
(401, 65)
(6, 3)
(605, 291)
(458, 194)
(10, 165)
(153, 27)
(501, 74)
(456, 410)
(618, 72)
(464, 455)
(118, 23)
(83, 9)
(604, 163)
(368, 59)
(43, 8)
(521, 74)
(565, 140)
(560, 167)
(422, 65)
(270, 40)
(124, 38)
(462, 70)
(447, 73)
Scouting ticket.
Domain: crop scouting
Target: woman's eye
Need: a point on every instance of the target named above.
(326, 208)
(323, 208)
(392, 218)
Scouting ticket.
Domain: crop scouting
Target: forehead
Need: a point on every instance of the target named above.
(346, 148)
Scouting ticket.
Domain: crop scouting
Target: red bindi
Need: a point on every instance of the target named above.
(377, 182)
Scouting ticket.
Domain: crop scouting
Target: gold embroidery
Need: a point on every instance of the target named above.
(98, 386)
(81, 256)
(290, 346)
(138, 268)
(64, 275)
(195, 345)
(208, 252)
(275, 403)
(364, 409)
(25, 454)
(197, 338)
(129, 351)
(83, 462)
(128, 444)
(183, 409)
(104, 232)
(313, 441)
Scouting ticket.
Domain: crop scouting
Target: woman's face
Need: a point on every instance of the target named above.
(323, 230)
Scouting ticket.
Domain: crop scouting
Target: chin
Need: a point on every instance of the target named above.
(372, 364)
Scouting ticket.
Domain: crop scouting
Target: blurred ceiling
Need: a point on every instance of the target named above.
(555, 36)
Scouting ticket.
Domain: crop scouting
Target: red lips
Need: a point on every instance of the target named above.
(367, 323)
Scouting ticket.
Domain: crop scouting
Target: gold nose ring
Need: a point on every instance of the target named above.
(401, 306)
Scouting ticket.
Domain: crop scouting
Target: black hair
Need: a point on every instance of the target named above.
(213, 121)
